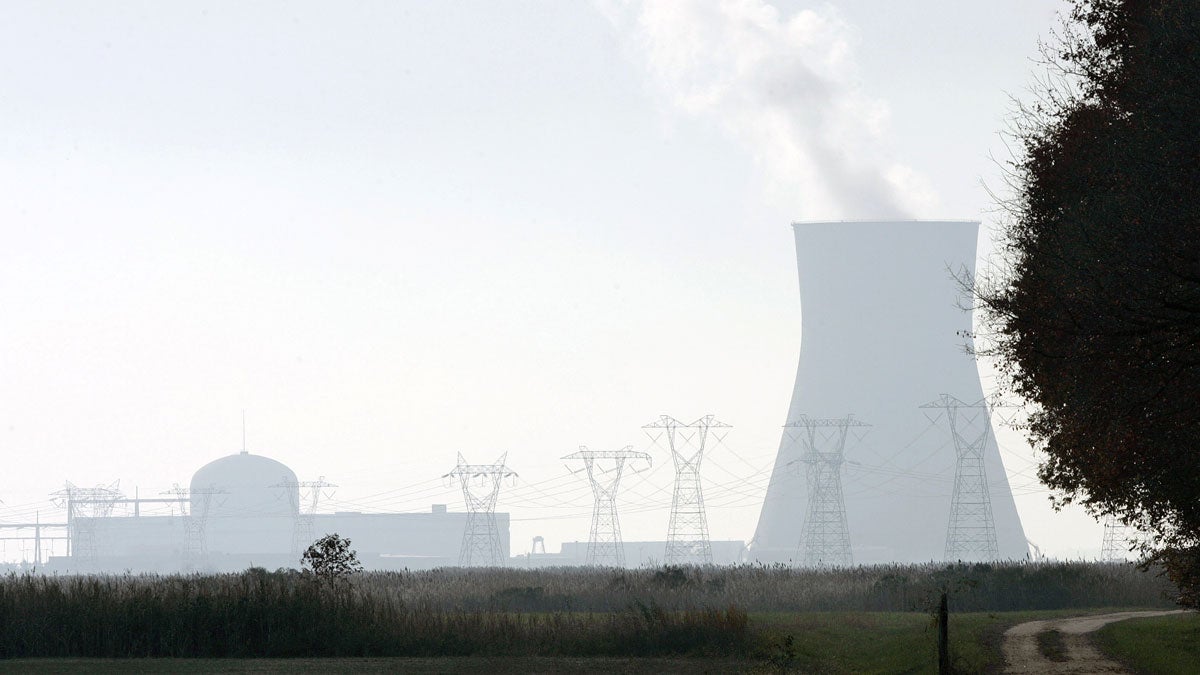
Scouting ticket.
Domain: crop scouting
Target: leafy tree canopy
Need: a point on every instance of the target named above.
(1097, 319)
(331, 559)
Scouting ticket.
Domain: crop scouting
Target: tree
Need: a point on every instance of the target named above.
(1096, 321)
(331, 559)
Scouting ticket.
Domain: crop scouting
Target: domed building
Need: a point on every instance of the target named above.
(249, 504)
(245, 510)
(245, 484)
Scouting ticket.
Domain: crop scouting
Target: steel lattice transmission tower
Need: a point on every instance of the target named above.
(195, 522)
(971, 532)
(604, 542)
(304, 493)
(481, 539)
(687, 534)
(85, 506)
(825, 541)
(1119, 540)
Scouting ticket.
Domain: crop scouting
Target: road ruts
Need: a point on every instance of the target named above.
(1021, 654)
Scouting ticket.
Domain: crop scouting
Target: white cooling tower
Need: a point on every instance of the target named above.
(883, 333)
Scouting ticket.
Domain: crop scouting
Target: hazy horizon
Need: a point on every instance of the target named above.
(392, 232)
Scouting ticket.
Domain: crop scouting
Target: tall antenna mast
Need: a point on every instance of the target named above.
(243, 430)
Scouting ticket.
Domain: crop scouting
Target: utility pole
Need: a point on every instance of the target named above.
(481, 539)
(604, 542)
(687, 533)
(305, 493)
(971, 532)
(825, 541)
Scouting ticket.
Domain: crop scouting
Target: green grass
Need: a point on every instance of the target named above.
(450, 664)
(1162, 644)
(887, 642)
(975, 637)
(820, 642)
(845, 642)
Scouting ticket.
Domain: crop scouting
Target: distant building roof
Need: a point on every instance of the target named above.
(244, 485)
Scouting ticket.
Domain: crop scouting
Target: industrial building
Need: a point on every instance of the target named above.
(245, 510)
(887, 454)
(639, 553)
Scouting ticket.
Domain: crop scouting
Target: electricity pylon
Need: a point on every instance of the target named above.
(604, 542)
(195, 522)
(481, 539)
(687, 533)
(971, 532)
(85, 506)
(1119, 539)
(301, 494)
(825, 541)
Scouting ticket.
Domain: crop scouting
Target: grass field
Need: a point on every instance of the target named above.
(462, 664)
(823, 642)
(1164, 644)
(889, 642)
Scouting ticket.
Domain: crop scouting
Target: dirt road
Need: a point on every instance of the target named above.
(1021, 654)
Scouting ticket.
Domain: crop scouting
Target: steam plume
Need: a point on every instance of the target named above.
(781, 86)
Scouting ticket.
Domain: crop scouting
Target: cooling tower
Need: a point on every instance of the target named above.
(883, 334)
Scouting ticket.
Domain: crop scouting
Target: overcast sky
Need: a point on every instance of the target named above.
(394, 231)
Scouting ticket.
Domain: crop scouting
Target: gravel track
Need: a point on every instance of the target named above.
(1021, 653)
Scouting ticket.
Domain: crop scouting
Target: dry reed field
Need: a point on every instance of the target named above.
(777, 588)
(557, 612)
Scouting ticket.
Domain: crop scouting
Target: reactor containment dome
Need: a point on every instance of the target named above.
(248, 503)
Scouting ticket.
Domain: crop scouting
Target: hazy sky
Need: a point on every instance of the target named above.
(393, 231)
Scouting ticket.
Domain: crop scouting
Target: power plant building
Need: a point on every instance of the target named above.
(883, 336)
(887, 453)
(244, 510)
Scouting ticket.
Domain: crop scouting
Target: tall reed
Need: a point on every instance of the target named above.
(506, 611)
(282, 614)
(761, 588)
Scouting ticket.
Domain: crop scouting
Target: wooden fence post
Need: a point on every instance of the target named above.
(943, 637)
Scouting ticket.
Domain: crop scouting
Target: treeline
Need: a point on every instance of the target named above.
(546, 612)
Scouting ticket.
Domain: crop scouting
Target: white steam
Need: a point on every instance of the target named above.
(782, 87)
